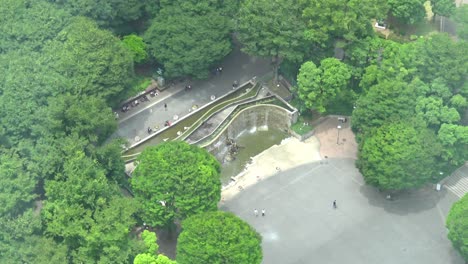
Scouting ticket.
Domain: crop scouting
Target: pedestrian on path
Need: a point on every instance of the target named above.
(263, 212)
(165, 106)
(255, 212)
(334, 204)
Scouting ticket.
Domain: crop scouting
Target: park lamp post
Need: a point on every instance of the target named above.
(338, 136)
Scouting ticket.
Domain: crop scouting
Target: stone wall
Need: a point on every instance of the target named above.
(257, 117)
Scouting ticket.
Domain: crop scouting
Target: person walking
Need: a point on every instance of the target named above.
(165, 106)
(334, 204)
(255, 212)
(263, 212)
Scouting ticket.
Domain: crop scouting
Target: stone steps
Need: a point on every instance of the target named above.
(457, 183)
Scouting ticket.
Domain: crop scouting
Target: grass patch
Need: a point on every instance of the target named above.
(303, 124)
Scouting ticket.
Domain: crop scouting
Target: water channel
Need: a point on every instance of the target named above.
(251, 143)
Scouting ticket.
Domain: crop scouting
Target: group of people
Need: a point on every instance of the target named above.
(256, 212)
(219, 70)
(134, 103)
(334, 204)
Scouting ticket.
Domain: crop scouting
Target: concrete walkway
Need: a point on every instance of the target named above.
(236, 67)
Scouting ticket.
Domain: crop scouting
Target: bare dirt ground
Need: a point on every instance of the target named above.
(335, 142)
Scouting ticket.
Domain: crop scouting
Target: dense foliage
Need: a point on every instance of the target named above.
(168, 191)
(457, 224)
(189, 37)
(272, 29)
(218, 237)
(408, 11)
(398, 156)
(136, 46)
(93, 60)
(425, 82)
(151, 256)
(107, 13)
(60, 195)
(317, 86)
(349, 20)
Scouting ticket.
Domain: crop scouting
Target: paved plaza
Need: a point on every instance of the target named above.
(301, 225)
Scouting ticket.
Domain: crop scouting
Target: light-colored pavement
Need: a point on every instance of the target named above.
(301, 227)
(237, 66)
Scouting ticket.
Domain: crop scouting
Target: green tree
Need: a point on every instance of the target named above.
(454, 139)
(29, 24)
(25, 85)
(86, 116)
(438, 56)
(95, 62)
(398, 156)
(272, 29)
(461, 18)
(188, 38)
(432, 110)
(107, 13)
(20, 241)
(146, 258)
(175, 180)
(151, 255)
(343, 19)
(136, 46)
(318, 86)
(109, 156)
(385, 102)
(85, 212)
(459, 102)
(408, 11)
(218, 237)
(443, 7)
(16, 185)
(457, 224)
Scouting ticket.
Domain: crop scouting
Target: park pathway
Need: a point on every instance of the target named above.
(237, 66)
(457, 183)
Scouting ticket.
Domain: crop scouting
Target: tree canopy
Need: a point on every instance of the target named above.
(150, 256)
(136, 46)
(457, 224)
(189, 37)
(95, 62)
(443, 7)
(88, 214)
(398, 156)
(350, 20)
(218, 237)
(408, 11)
(167, 191)
(107, 13)
(272, 29)
(319, 85)
(29, 24)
